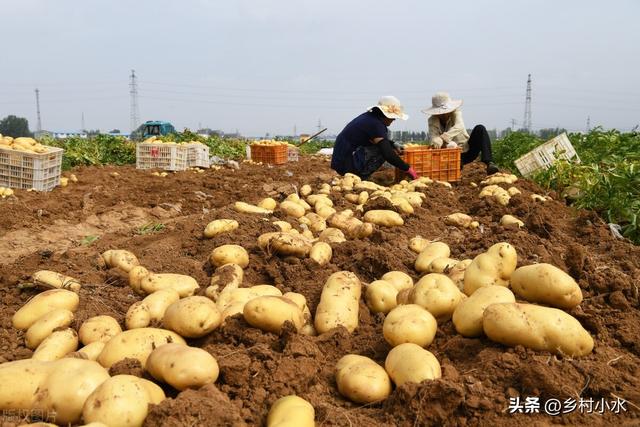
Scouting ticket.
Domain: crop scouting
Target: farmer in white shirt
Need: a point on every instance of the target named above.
(446, 130)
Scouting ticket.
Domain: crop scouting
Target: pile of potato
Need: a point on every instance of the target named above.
(24, 144)
(5, 192)
(269, 142)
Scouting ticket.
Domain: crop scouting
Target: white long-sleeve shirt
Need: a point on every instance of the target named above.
(454, 128)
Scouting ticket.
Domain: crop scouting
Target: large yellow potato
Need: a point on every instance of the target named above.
(398, 279)
(385, 218)
(350, 226)
(442, 265)
(362, 380)
(184, 285)
(459, 219)
(98, 328)
(136, 344)
(56, 280)
(24, 377)
(493, 267)
(332, 235)
(411, 363)
(192, 317)
(136, 274)
(429, 253)
(239, 297)
(137, 316)
(436, 293)
(292, 209)
(151, 309)
(56, 345)
(43, 303)
(182, 367)
(289, 245)
(339, 302)
(546, 284)
(321, 253)
(418, 244)
(467, 318)
(220, 226)
(536, 327)
(252, 209)
(229, 254)
(510, 220)
(268, 203)
(121, 401)
(43, 327)
(120, 258)
(380, 296)
(409, 323)
(291, 411)
(269, 313)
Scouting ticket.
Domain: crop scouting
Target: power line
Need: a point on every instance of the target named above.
(527, 107)
(39, 128)
(134, 101)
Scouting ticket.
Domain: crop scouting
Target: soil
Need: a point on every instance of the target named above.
(117, 207)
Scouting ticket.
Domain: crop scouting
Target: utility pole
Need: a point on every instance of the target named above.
(513, 124)
(527, 107)
(295, 130)
(133, 91)
(83, 128)
(319, 125)
(39, 126)
(588, 123)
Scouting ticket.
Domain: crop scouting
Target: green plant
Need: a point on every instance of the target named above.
(150, 227)
(87, 240)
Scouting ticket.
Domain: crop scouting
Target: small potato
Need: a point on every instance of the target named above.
(239, 297)
(120, 258)
(381, 296)
(301, 302)
(305, 190)
(418, 244)
(184, 285)
(137, 316)
(467, 317)
(56, 280)
(350, 226)
(385, 218)
(24, 377)
(182, 367)
(442, 265)
(43, 303)
(136, 344)
(291, 411)
(136, 274)
(292, 209)
(318, 199)
(289, 245)
(268, 203)
(98, 328)
(44, 326)
(56, 345)
(251, 209)
(493, 267)
(269, 313)
(220, 226)
(362, 380)
(429, 253)
(513, 191)
(229, 254)
(510, 220)
(91, 351)
(158, 302)
(284, 226)
(321, 253)
(546, 284)
(332, 235)
(192, 317)
(411, 363)
(409, 323)
(458, 219)
(352, 198)
(339, 302)
(122, 400)
(436, 293)
(324, 210)
(398, 279)
(536, 327)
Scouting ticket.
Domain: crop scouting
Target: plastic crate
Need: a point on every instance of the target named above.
(22, 170)
(543, 156)
(171, 157)
(293, 154)
(197, 156)
(271, 154)
(441, 164)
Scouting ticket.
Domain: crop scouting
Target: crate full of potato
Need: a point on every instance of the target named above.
(26, 164)
(154, 153)
(270, 151)
(440, 164)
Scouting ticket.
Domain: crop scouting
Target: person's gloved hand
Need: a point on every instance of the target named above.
(436, 142)
(446, 138)
(412, 173)
(452, 144)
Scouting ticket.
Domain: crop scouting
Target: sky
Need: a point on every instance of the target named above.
(265, 66)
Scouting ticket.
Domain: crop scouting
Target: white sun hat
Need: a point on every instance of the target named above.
(441, 103)
(391, 108)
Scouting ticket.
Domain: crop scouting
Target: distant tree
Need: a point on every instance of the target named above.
(115, 131)
(15, 126)
(550, 133)
(93, 132)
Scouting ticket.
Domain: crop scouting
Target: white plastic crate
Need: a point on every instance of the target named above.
(543, 156)
(170, 157)
(22, 170)
(293, 154)
(197, 156)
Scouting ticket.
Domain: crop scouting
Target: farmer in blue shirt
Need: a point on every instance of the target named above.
(364, 145)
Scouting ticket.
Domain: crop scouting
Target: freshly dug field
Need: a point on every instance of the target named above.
(161, 220)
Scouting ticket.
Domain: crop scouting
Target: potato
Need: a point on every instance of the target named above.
(291, 411)
(98, 328)
(513, 191)
(45, 325)
(510, 220)
(318, 199)
(182, 367)
(184, 285)
(380, 296)
(442, 265)
(352, 198)
(436, 293)
(24, 377)
(229, 254)
(493, 267)
(136, 344)
(362, 380)
(119, 258)
(500, 178)
(239, 297)
(268, 203)
(91, 351)
(467, 317)
(497, 193)
(409, 323)
(350, 226)
(398, 279)
(43, 303)
(456, 273)
(289, 245)
(284, 226)
(318, 223)
(220, 226)
(301, 302)
(418, 244)
(305, 190)
(339, 302)
(67, 387)
(151, 309)
(56, 345)
(292, 209)
(546, 284)
(409, 362)
(429, 253)
(252, 209)
(536, 327)
(324, 210)
(136, 274)
(121, 401)
(321, 253)
(192, 317)
(459, 220)
(385, 218)
(332, 235)
(269, 313)
(224, 281)
(55, 280)
(137, 316)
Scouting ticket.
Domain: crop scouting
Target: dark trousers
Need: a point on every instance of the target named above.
(479, 143)
(368, 159)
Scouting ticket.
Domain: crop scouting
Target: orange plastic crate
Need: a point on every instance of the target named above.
(271, 154)
(441, 164)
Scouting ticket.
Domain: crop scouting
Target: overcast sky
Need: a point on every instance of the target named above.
(266, 65)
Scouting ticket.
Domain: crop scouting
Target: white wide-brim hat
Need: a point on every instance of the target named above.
(441, 103)
(390, 107)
